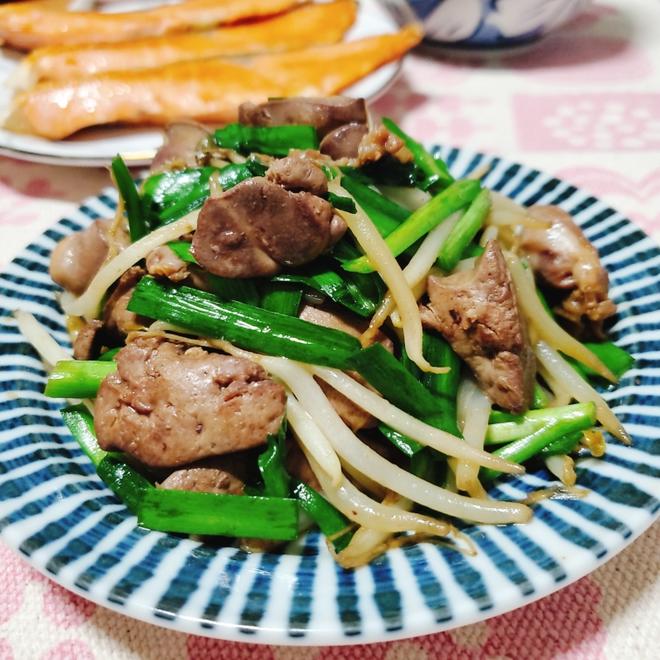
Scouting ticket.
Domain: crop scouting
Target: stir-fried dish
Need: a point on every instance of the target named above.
(302, 319)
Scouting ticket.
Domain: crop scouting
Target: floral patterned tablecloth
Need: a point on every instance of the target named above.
(582, 104)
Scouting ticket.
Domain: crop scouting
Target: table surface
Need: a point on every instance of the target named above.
(582, 104)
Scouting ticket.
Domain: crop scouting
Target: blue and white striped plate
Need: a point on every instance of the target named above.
(61, 518)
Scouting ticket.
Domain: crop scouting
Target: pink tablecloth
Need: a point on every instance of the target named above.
(583, 104)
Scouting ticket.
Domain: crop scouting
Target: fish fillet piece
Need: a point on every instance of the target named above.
(29, 25)
(209, 90)
(325, 70)
(206, 90)
(299, 28)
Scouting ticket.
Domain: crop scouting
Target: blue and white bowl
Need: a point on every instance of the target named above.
(493, 23)
(57, 513)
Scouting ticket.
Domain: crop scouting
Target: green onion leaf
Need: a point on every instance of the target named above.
(342, 203)
(239, 290)
(137, 225)
(77, 379)
(540, 398)
(226, 288)
(211, 514)
(402, 442)
(385, 214)
(429, 465)
(458, 195)
(271, 465)
(182, 250)
(168, 196)
(271, 140)
(358, 293)
(564, 445)
(615, 358)
(473, 250)
(80, 423)
(247, 326)
(513, 427)
(444, 386)
(389, 377)
(464, 231)
(109, 354)
(436, 174)
(281, 297)
(330, 521)
(124, 481)
(339, 287)
(532, 444)
(186, 512)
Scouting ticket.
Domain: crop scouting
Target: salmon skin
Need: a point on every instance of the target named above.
(29, 25)
(206, 90)
(314, 24)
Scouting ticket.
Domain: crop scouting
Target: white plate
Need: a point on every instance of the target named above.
(97, 146)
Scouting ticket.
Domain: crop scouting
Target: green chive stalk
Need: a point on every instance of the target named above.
(529, 446)
(137, 225)
(77, 379)
(520, 426)
(435, 172)
(271, 465)
(385, 214)
(464, 231)
(248, 327)
(332, 523)
(271, 140)
(210, 514)
(458, 195)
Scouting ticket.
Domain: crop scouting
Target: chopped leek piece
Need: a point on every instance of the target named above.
(137, 224)
(211, 514)
(247, 326)
(77, 379)
(458, 195)
(271, 140)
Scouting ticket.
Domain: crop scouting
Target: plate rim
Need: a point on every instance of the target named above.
(263, 639)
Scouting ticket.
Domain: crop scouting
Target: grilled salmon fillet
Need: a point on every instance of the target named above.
(29, 25)
(206, 90)
(313, 24)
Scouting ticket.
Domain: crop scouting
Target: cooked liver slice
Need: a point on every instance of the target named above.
(181, 146)
(477, 313)
(298, 174)
(77, 257)
(88, 341)
(163, 262)
(169, 405)
(564, 259)
(344, 141)
(257, 227)
(324, 114)
(204, 480)
(117, 320)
